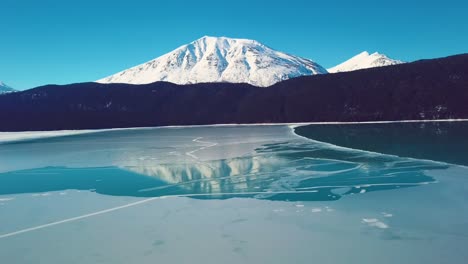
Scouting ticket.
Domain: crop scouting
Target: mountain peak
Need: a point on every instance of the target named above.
(5, 88)
(219, 59)
(364, 60)
(363, 54)
(207, 42)
(223, 39)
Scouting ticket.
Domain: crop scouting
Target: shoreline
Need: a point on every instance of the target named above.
(257, 124)
(14, 136)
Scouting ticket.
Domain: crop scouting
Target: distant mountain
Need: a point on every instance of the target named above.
(427, 89)
(364, 60)
(5, 88)
(219, 59)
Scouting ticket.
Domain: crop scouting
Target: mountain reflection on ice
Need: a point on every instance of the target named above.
(290, 171)
(295, 169)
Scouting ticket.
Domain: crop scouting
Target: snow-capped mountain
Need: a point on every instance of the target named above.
(364, 60)
(5, 88)
(219, 59)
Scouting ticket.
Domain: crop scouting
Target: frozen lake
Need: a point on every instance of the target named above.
(234, 194)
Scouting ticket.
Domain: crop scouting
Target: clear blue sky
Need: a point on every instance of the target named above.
(65, 41)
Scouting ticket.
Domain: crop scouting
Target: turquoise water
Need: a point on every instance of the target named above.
(236, 190)
(438, 141)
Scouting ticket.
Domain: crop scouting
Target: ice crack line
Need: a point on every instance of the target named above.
(27, 230)
(209, 145)
(77, 218)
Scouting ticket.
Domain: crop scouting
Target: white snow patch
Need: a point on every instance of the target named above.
(41, 194)
(387, 215)
(316, 210)
(374, 222)
(20, 136)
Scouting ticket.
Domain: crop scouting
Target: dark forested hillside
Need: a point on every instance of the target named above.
(428, 89)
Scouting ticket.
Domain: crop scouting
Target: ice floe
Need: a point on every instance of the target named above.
(374, 222)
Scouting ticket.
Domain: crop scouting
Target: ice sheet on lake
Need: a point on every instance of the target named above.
(291, 200)
(264, 162)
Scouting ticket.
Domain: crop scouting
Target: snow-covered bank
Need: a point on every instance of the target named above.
(28, 135)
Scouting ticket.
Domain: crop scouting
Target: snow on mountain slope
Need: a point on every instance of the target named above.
(219, 59)
(5, 88)
(364, 60)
